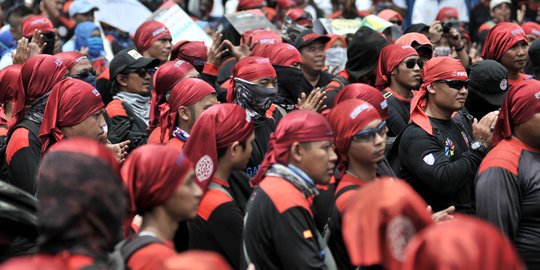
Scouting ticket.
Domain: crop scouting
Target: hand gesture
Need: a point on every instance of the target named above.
(435, 32)
(443, 215)
(25, 50)
(119, 150)
(217, 50)
(313, 102)
(483, 129)
(241, 51)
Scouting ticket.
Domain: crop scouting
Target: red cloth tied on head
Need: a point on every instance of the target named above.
(166, 76)
(38, 22)
(250, 4)
(262, 36)
(389, 14)
(283, 4)
(531, 28)
(380, 220)
(435, 69)
(194, 52)
(520, 104)
(185, 93)
(249, 68)
(333, 39)
(463, 243)
(38, 76)
(300, 17)
(348, 118)
(501, 38)
(151, 174)
(9, 79)
(297, 126)
(280, 54)
(218, 127)
(70, 59)
(71, 102)
(366, 93)
(391, 56)
(91, 148)
(447, 13)
(148, 33)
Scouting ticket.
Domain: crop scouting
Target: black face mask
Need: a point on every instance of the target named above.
(289, 82)
(88, 76)
(255, 99)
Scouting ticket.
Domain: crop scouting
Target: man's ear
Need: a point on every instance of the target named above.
(431, 89)
(296, 152)
(235, 149)
(184, 113)
(122, 80)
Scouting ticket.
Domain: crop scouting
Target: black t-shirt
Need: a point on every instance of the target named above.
(324, 79)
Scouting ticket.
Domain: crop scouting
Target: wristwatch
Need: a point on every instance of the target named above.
(478, 147)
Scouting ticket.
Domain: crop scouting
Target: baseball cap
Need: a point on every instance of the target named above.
(81, 7)
(129, 58)
(39, 22)
(307, 37)
(495, 3)
(489, 80)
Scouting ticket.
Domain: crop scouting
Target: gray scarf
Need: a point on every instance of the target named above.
(286, 173)
(139, 104)
(37, 109)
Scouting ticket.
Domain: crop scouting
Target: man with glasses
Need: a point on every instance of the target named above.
(128, 112)
(398, 74)
(438, 156)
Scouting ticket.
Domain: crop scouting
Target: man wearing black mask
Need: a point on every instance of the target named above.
(79, 67)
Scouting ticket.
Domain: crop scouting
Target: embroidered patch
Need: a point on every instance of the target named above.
(135, 54)
(449, 148)
(503, 84)
(398, 233)
(429, 159)
(204, 168)
(358, 110)
(96, 92)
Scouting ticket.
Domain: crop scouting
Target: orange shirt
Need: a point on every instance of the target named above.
(152, 256)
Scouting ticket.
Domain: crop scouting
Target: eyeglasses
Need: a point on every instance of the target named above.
(367, 135)
(411, 63)
(458, 85)
(140, 71)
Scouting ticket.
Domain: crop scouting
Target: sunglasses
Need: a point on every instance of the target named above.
(85, 73)
(367, 135)
(411, 63)
(458, 85)
(141, 72)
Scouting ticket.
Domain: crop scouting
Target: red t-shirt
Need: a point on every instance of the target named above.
(152, 256)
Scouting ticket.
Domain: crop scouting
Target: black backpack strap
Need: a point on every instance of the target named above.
(132, 246)
(343, 190)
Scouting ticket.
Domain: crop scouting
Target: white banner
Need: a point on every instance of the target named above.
(125, 15)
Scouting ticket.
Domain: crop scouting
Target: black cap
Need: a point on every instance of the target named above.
(489, 80)
(534, 54)
(129, 58)
(363, 52)
(307, 37)
(417, 28)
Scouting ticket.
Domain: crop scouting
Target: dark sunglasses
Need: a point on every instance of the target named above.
(458, 85)
(367, 135)
(411, 63)
(85, 73)
(140, 71)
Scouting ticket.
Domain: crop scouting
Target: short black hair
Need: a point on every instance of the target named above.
(221, 151)
(19, 10)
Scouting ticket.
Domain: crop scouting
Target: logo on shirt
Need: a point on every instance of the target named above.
(429, 159)
(504, 84)
(398, 233)
(449, 148)
(204, 168)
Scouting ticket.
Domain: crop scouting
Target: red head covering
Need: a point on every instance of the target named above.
(531, 28)
(262, 36)
(71, 102)
(391, 56)
(38, 22)
(185, 93)
(283, 4)
(9, 79)
(70, 59)
(435, 69)
(38, 76)
(166, 76)
(148, 33)
(366, 93)
(348, 118)
(446, 13)
(389, 14)
(249, 68)
(250, 4)
(333, 39)
(218, 127)
(463, 243)
(91, 148)
(297, 126)
(521, 103)
(409, 38)
(380, 220)
(151, 174)
(196, 260)
(501, 38)
(281, 54)
(299, 16)
(194, 52)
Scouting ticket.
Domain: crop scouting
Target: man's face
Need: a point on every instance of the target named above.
(160, 49)
(318, 160)
(91, 127)
(516, 57)
(83, 64)
(501, 13)
(16, 24)
(313, 56)
(366, 150)
(447, 98)
(200, 106)
(137, 81)
(407, 73)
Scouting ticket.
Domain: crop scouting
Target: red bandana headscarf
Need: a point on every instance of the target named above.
(249, 68)
(262, 36)
(166, 76)
(501, 38)
(409, 38)
(447, 12)
(70, 59)
(364, 92)
(250, 4)
(463, 243)
(389, 14)
(185, 93)
(218, 127)
(348, 118)
(38, 76)
(9, 79)
(333, 39)
(531, 28)
(280, 54)
(148, 33)
(38, 22)
(521, 103)
(436, 69)
(91, 148)
(380, 220)
(297, 126)
(391, 56)
(151, 174)
(71, 102)
(194, 52)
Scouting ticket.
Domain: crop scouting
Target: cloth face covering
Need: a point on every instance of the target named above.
(255, 99)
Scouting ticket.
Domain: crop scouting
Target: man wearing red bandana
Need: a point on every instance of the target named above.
(279, 229)
(508, 181)
(438, 156)
(153, 40)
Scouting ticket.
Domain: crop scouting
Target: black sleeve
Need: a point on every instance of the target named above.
(221, 94)
(23, 167)
(422, 154)
(121, 128)
(210, 79)
(296, 240)
(395, 122)
(226, 224)
(498, 199)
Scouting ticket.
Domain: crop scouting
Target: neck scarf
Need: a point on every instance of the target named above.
(139, 104)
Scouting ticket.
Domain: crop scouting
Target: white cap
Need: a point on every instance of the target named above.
(494, 3)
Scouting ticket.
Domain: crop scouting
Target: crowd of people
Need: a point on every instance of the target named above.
(411, 146)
